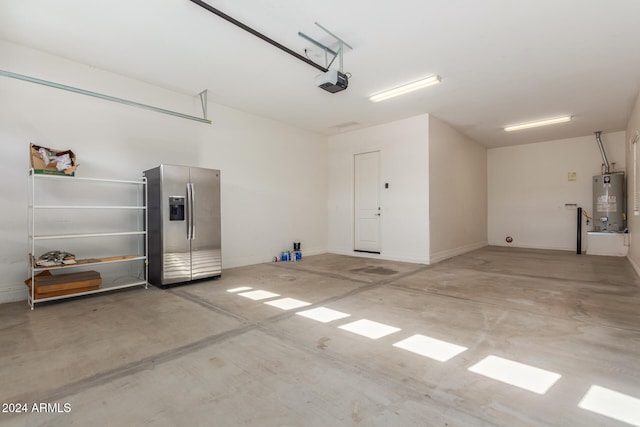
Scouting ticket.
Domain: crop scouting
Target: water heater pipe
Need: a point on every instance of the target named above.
(602, 153)
(579, 232)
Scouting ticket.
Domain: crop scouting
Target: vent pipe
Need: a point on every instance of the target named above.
(602, 153)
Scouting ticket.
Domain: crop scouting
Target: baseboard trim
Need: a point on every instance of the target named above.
(635, 265)
(386, 257)
(450, 253)
(241, 262)
(12, 293)
(543, 247)
(603, 253)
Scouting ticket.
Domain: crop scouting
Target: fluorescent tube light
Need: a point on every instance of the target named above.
(544, 122)
(401, 90)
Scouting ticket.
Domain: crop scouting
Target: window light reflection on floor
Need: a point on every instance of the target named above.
(369, 329)
(517, 374)
(323, 314)
(430, 347)
(242, 288)
(612, 404)
(258, 295)
(288, 303)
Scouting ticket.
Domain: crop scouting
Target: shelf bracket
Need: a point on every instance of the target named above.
(327, 50)
(203, 101)
(110, 98)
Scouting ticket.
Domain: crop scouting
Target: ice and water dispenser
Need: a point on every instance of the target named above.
(176, 208)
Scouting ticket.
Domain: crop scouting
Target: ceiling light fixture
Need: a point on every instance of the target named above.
(544, 122)
(409, 87)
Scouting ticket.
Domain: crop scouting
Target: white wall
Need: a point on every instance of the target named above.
(457, 192)
(273, 176)
(633, 222)
(528, 187)
(404, 153)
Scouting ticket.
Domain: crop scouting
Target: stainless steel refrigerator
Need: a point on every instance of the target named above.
(183, 211)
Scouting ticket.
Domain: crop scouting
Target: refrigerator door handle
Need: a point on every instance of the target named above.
(189, 211)
(193, 208)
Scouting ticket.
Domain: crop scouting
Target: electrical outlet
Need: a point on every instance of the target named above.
(571, 176)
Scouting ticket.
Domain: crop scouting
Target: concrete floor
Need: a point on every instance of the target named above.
(199, 355)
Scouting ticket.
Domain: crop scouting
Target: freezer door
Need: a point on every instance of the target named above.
(176, 255)
(206, 257)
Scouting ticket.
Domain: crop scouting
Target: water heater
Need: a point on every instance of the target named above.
(609, 204)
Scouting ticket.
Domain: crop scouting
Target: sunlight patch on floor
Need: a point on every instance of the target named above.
(517, 374)
(258, 295)
(287, 303)
(323, 314)
(612, 404)
(369, 329)
(430, 347)
(240, 289)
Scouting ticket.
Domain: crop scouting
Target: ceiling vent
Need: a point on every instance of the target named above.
(345, 126)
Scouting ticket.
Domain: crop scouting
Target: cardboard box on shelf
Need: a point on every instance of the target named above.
(47, 161)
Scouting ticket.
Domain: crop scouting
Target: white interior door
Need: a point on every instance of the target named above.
(367, 202)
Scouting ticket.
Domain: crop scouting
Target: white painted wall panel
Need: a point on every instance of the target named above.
(633, 222)
(457, 193)
(274, 176)
(403, 147)
(529, 186)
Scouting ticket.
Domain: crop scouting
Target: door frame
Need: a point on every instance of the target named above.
(379, 197)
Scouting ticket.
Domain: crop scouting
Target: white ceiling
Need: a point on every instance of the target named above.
(501, 61)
